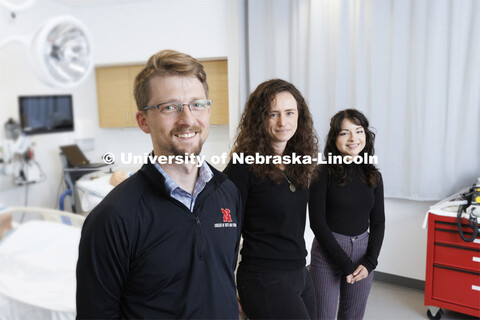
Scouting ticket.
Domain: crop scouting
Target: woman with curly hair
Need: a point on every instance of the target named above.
(345, 201)
(272, 280)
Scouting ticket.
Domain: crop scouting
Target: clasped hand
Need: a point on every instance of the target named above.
(359, 274)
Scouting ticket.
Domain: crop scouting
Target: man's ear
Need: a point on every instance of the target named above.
(142, 121)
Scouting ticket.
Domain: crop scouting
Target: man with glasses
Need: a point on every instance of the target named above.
(163, 244)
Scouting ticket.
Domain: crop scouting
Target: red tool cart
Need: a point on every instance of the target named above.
(453, 267)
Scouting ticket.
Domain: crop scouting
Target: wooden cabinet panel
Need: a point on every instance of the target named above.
(133, 71)
(113, 96)
(217, 79)
(116, 103)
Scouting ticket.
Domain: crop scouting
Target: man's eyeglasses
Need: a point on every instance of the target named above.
(177, 107)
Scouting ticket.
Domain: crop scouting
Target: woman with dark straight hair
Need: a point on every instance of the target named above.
(346, 200)
(272, 280)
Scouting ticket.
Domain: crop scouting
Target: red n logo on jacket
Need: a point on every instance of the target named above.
(226, 215)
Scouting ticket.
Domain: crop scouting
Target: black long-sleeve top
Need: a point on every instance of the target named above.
(274, 220)
(349, 210)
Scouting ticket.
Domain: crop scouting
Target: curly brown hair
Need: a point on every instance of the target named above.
(253, 136)
(368, 172)
(166, 62)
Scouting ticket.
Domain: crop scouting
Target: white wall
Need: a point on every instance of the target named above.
(405, 245)
(130, 33)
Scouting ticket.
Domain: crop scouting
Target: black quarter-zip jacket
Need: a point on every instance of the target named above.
(143, 254)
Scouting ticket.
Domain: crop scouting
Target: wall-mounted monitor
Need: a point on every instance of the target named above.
(46, 114)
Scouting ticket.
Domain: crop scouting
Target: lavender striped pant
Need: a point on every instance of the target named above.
(330, 283)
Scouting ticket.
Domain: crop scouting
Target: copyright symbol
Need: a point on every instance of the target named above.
(108, 158)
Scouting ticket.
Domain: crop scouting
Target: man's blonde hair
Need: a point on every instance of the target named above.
(166, 62)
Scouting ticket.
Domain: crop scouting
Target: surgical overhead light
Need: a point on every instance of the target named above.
(60, 51)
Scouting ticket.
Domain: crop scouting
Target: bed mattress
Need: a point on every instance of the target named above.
(37, 271)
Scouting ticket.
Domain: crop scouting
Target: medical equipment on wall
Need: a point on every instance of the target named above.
(60, 52)
(16, 156)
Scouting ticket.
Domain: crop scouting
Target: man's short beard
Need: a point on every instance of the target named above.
(177, 152)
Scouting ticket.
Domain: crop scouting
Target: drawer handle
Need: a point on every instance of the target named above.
(476, 259)
(476, 288)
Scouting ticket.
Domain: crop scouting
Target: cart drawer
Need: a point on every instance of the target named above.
(452, 237)
(451, 224)
(456, 257)
(457, 287)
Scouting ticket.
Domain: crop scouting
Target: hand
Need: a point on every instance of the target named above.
(359, 274)
(241, 315)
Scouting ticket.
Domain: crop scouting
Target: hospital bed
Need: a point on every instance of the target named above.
(93, 187)
(38, 256)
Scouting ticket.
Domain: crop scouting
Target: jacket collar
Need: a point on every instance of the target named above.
(149, 173)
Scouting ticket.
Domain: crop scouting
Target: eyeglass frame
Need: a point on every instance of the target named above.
(179, 111)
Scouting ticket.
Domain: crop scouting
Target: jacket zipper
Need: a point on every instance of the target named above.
(201, 249)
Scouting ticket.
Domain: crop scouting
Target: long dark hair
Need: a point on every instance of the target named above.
(368, 173)
(253, 134)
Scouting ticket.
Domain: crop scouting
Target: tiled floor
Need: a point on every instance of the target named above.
(388, 301)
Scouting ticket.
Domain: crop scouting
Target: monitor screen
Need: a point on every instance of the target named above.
(46, 114)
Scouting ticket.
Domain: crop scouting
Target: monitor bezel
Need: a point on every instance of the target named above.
(44, 130)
